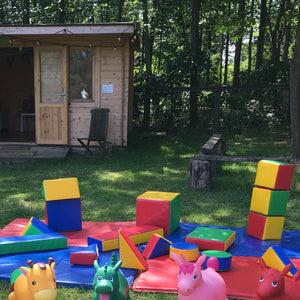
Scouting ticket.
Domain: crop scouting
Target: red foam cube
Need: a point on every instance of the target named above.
(160, 209)
(265, 227)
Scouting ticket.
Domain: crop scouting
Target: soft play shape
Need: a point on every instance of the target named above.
(189, 250)
(110, 240)
(159, 209)
(209, 238)
(275, 257)
(195, 284)
(269, 202)
(58, 189)
(130, 256)
(273, 286)
(62, 204)
(35, 226)
(64, 215)
(37, 242)
(85, 257)
(157, 246)
(241, 280)
(265, 227)
(109, 283)
(274, 174)
(224, 259)
(35, 282)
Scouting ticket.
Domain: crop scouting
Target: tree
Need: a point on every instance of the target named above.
(287, 34)
(148, 62)
(120, 10)
(238, 45)
(26, 11)
(276, 31)
(295, 96)
(250, 40)
(261, 36)
(195, 61)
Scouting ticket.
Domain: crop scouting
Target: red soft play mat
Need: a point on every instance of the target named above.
(75, 238)
(241, 280)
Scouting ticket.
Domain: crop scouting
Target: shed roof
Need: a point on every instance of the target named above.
(72, 34)
(102, 28)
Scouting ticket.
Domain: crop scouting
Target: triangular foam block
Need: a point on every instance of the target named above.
(35, 226)
(130, 256)
(157, 246)
(275, 257)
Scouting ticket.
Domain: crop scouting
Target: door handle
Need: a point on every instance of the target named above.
(63, 94)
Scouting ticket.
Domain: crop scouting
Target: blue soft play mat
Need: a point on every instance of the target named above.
(82, 276)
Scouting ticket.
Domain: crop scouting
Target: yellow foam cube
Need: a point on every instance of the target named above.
(60, 189)
(274, 174)
(269, 202)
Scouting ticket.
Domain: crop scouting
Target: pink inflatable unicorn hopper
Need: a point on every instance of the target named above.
(197, 284)
(274, 286)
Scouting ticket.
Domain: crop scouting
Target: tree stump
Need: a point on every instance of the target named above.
(200, 175)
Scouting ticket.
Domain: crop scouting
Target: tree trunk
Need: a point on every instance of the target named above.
(238, 45)
(221, 59)
(250, 42)
(250, 51)
(261, 36)
(148, 63)
(287, 41)
(226, 59)
(237, 61)
(2, 14)
(120, 10)
(195, 61)
(26, 10)
(62, 12)
(276, 33)
(287, 35)
(208, 56)
(227, 50)
(295, 96)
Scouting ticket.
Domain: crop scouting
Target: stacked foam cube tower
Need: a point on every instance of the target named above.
(62, 204)
(269, 199)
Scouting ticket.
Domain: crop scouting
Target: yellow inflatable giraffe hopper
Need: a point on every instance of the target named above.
(35, 282)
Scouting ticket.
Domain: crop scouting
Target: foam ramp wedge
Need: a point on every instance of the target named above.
(130, 256)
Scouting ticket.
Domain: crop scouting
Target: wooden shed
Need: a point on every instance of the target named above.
(51, 76)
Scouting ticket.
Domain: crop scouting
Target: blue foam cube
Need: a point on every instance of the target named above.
(64, 215)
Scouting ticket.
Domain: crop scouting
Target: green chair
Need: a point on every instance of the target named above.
(98, 130)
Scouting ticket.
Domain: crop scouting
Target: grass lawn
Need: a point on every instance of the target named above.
(110, 186)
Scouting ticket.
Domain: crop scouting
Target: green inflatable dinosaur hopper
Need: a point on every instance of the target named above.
(109, 283)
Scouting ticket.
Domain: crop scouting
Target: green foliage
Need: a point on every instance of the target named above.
(256, 103)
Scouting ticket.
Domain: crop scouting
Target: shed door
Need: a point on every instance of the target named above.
(51, 103)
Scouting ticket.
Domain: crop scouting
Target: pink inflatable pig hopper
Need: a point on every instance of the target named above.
(274, 285)
(197, 284)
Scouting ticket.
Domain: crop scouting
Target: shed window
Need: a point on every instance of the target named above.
(81, 74)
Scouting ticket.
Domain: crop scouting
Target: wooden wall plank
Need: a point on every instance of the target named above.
(111, 68)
